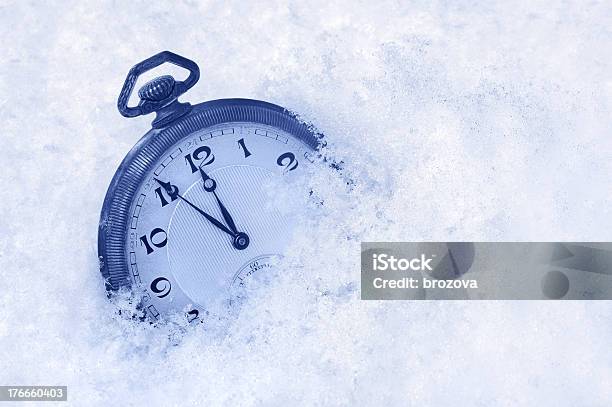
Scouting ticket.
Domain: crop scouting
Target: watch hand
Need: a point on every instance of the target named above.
(172, 190)
(210, 185)
(210, 218)
(226, 215)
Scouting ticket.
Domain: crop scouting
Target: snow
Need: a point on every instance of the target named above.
(456, 120)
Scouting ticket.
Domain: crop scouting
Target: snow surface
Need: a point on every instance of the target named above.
(457, 121)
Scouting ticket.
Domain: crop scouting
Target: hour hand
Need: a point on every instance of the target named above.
(210, 185)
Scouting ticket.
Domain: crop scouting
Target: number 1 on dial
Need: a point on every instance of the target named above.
(242, 146)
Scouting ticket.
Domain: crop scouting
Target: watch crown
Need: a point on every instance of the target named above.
(157, 89)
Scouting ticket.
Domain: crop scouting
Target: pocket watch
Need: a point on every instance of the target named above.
(188, 215)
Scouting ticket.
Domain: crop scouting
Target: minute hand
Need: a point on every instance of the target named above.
(173, 192)
(210, 185)
(210, 218)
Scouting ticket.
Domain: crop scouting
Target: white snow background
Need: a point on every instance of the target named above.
(457, 121)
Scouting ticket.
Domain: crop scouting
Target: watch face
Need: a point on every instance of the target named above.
(206, 216)
(199, 208)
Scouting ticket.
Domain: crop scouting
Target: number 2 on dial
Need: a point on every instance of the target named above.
(288, 161)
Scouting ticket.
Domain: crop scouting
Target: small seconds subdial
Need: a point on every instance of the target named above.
(204, 218)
